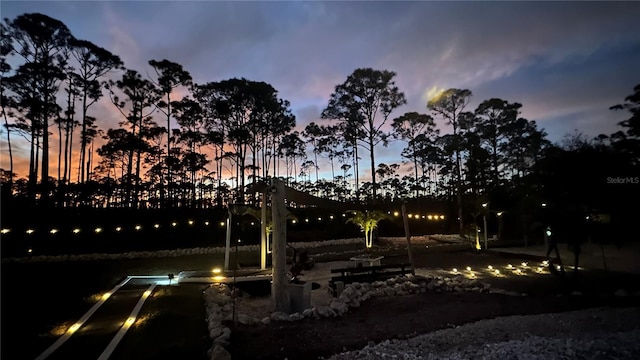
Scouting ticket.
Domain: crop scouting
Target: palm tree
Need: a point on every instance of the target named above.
(367, 221)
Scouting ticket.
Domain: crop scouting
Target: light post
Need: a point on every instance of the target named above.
(484, 221)
(499, 215)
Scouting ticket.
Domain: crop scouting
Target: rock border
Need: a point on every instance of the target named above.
(219, 307)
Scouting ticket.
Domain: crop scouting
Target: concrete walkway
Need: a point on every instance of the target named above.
(624, 259)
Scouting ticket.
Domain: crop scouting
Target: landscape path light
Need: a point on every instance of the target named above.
(485, 206)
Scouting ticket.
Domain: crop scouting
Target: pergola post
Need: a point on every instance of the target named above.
(228, 241)
(263, 232)
(279, 294)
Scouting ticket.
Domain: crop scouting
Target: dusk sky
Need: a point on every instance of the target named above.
(566, 62)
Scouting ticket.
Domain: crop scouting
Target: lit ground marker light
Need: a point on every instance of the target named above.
(73, 328)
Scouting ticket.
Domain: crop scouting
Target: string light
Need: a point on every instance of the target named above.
(98, 230)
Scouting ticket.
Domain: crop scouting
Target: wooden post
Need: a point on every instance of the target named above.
(263, 230)
(484, 219)
(228, 241)
(405, 220)
(279, 294)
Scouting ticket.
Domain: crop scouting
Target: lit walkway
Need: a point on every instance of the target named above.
(85, 321)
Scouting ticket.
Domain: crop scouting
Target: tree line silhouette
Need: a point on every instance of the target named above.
(234, 132)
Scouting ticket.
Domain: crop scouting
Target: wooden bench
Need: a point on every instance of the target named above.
(341, 277)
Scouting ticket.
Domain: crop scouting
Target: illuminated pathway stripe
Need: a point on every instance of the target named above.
(127, 324)
(80, 322)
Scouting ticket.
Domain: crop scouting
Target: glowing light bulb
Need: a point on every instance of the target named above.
(53, 231)
(396, 214)
(5, 231)
(174, 224)
(490, 267)
(76, 230)
(118, 229)
(138, 227)
(455, 270)
(30, 231)
(157, 226)
(216, 270)
(221, 223)
(509, 266)
(441, 217)
(98, 230)
(468, 268)
(106, 295)
(190, 222)
(497, 272)
(524, 264)
(206, 223)
(430, 217)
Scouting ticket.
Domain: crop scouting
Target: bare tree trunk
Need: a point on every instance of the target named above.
(6, 124)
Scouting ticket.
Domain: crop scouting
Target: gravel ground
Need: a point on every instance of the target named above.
(603, 333)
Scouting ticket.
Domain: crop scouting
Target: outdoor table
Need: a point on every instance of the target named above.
(366, 260)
